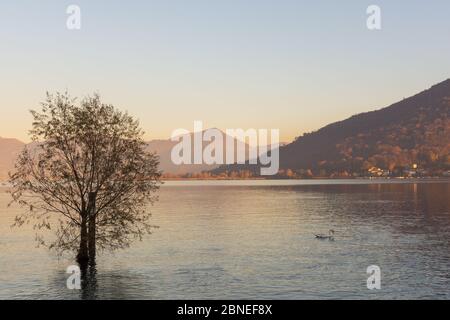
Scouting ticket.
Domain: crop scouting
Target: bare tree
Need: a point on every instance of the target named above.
(87, 176)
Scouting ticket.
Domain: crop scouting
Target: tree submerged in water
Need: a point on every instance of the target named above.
(87, 176)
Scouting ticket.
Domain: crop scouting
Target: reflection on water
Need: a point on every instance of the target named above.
(89, 282)
(256, 240)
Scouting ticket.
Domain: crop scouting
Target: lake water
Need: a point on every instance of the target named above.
(255, 240)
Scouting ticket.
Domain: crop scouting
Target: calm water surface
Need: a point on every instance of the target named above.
(255, 240)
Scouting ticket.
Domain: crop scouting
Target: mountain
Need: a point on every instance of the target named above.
(164, 149)
(9, 149)
(415, 130)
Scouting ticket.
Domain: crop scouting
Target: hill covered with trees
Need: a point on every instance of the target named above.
(410, 137)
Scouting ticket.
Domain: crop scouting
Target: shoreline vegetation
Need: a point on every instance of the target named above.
(288, 174)
(292, 175)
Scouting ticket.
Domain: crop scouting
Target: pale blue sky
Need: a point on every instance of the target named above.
(292, 65)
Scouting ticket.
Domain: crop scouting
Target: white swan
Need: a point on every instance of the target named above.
(330, 235)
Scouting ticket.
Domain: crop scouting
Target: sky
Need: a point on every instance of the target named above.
(281, 64)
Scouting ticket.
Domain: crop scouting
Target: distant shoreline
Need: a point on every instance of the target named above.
(316, 178)
(4, 184)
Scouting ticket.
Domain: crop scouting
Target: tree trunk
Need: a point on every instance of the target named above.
(92, 227)
(82, 257)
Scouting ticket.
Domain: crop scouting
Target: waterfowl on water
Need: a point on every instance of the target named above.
(330, 236)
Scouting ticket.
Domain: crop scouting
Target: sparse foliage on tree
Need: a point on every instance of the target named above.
(87, 176)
